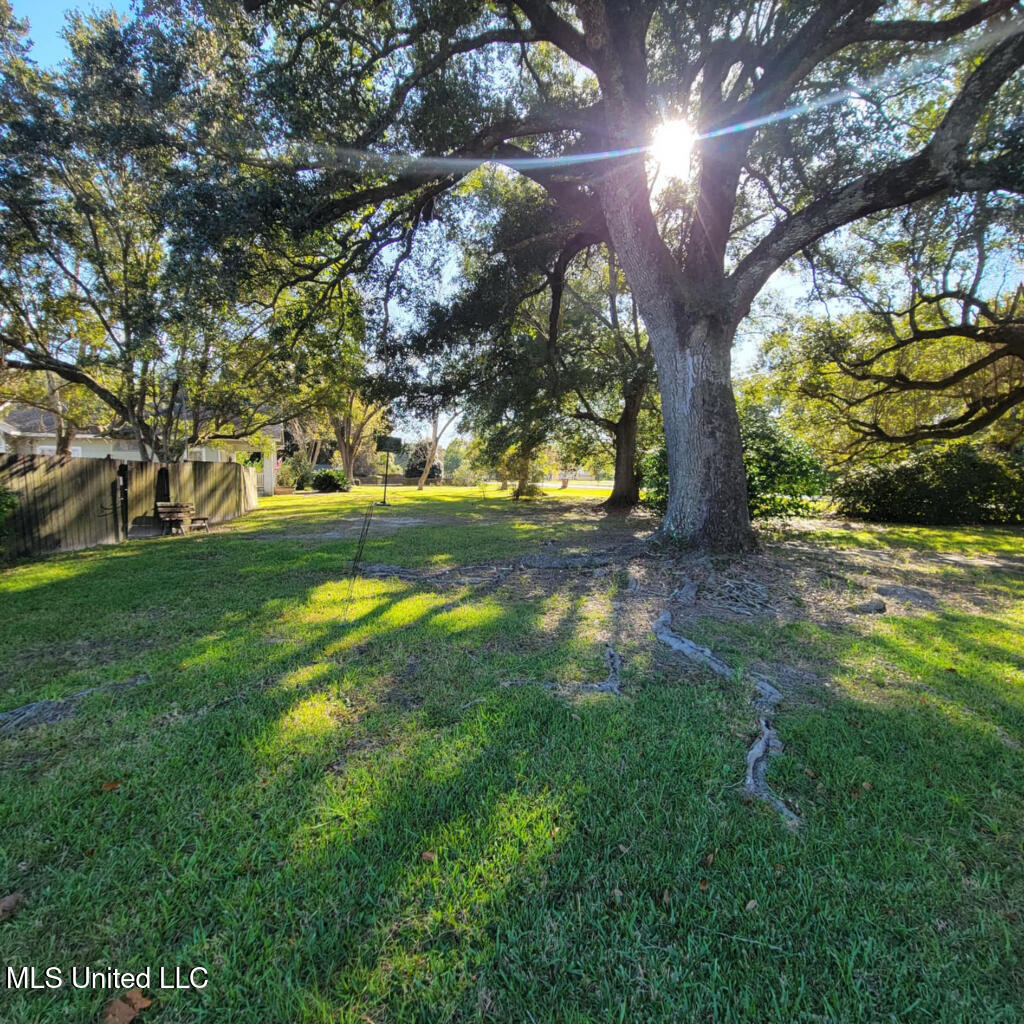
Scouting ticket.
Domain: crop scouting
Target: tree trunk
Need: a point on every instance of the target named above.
(626, 485)
(436, 433)
(691, 330)
(707, 501)
(434, 438)
(523, 474)
(425, 475)
(347, 445)
(348, 460)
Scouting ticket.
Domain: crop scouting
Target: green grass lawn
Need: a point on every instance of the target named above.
(326, 798)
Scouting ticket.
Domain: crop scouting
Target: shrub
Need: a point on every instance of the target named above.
(465, 476)
(330, 480)
(8, 504)
(654, 467)
(782, 472)
(285, 476)
(956, 485)
(302, 470)
(531, 490)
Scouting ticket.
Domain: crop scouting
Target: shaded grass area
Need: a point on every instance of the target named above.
(300, 746)
(957, 540)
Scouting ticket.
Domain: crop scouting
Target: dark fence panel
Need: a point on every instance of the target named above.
(69, 503)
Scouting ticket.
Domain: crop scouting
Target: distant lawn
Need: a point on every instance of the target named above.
(323, 793)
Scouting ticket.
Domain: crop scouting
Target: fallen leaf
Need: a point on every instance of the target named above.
(577, 717)
(623, 848)
(10, 903)
(809, 773)
(708, 859)
(91, 852)
(126, 1008)
(616, 896)
(866, 785)
(704, 883)
(751, 905)
(109, 787)
(665, 898)
(429, 856)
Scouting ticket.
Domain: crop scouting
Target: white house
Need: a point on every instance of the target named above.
(28, 431)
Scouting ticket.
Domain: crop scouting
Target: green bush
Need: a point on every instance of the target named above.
(782, 472)
(8, 504)
(285, 476)
(956, 485)
(302, 470)
(654, 468)
(330, 480)
(466, 476)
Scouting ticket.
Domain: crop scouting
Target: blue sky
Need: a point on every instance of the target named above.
(46, 20)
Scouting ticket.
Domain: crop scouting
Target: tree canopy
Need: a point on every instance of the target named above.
(94, 292)
(804, 119)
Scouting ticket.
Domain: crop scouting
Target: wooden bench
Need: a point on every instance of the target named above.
(175, 514)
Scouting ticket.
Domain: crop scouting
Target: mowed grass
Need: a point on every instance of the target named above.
(325, 797)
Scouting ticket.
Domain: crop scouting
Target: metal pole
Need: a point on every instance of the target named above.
(387, 464)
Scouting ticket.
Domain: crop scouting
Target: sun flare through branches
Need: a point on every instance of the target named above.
(672, 147)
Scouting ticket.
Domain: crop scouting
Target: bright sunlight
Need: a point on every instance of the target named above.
(672, 147)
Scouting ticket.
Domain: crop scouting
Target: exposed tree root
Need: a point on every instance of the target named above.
(611, 684)
(462, 575)
(46, 712)
(688, 648)
(766, 700)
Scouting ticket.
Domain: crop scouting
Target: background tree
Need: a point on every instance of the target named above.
(92, 290)
(918, 331)
(529, 276)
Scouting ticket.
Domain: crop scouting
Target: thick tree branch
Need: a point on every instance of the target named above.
(939, 167)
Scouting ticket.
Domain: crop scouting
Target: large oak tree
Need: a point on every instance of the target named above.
(808, 118)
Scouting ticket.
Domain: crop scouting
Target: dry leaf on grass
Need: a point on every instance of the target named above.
(126, 1008)
(109, 787)
(429, 856)
(751, 905)
(10, 903)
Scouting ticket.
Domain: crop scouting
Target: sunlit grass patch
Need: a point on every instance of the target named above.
(354, 798)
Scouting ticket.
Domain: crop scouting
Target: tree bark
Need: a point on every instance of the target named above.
(707, 502)
(691, 329)
(523, 476)
(626, 485)
(435, 439)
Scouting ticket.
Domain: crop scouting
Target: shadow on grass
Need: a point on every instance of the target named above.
(297, 755)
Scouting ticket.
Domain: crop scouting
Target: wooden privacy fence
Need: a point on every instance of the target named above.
(67, 503)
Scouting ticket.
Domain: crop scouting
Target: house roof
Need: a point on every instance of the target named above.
(28, 420)
(23, 419)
